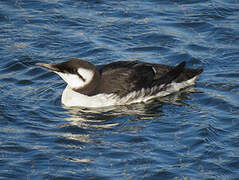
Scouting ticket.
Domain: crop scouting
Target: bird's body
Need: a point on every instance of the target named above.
(120, 83)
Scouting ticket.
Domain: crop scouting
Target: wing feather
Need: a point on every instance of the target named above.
(123, 77)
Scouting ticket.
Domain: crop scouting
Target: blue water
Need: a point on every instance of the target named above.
(183, 136)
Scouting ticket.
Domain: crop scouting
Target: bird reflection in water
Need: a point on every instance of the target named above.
(87, 128)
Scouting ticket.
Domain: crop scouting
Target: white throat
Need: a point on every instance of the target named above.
(74, 81)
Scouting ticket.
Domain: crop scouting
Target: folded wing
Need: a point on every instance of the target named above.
(124, 77)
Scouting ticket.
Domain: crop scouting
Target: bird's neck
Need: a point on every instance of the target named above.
(92, 88)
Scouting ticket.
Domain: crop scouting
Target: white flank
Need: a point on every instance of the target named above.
(74, 81)
(72, 98)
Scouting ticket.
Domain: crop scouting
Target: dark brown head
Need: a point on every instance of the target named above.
(80, 75)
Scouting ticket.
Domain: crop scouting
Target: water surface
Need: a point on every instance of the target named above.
(183, 136)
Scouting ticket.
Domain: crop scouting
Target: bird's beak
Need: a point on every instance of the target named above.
(51, 67)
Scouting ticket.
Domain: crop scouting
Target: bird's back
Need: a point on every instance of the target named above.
(123, 77)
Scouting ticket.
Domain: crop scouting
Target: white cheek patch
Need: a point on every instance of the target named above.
(71, 79)
(74, 81)
(86, 74)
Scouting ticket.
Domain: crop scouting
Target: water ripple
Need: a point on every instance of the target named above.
(182, 136)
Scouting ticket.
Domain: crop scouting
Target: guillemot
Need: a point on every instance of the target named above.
(119, 83)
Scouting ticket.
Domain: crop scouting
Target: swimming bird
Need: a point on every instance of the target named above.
(119, 83)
